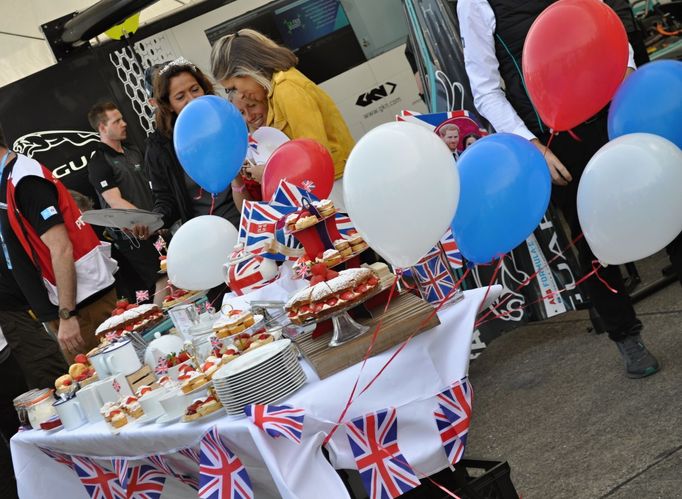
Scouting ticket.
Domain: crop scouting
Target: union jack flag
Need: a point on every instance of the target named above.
(141, 295)
(121, 467)
(160, 244)
(258, 225)
(453, 418)
(288, 194)
(98, 482)
(308, 185)
(344, 225)
(384, 471)
(162, 464)
(191, 453)
(145, 482)
(116, 386)
(277, 420)
(245, 275)
(452, 253)
(162, 366)
(221, 473)
(64, 459)
(434, 277)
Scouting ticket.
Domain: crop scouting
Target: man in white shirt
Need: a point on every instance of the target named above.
(493, 34)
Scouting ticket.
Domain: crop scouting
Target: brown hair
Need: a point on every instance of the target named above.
(165, 116)
(98, 114)
(444, 129)
(250, 53)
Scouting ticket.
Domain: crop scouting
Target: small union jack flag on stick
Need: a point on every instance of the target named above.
(221, 473)
(384, 471)
(161, 366)
(160, 244)
(453, 418)
(277, 420)
(141, 295)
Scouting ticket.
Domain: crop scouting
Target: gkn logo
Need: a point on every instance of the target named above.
(376, 94)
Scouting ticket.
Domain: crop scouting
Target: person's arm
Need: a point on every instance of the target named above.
(114, 199)
(301, 112)
(239, 192)
(37, 201)
(61, 253)
(477, 26)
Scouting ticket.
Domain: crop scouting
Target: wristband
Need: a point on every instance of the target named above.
(238, 189)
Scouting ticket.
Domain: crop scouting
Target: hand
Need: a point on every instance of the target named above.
(69, 336)
(141, 232)
(255, 172)
(557, 170)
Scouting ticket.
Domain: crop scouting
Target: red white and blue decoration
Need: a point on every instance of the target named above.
(121, 467)
(221, 473)
(384, 471)
(59, 457)
(434, 277)
(191, 453)
(452, 253)
(144, 482)
(98, 482)
(258, 227)
(161, 463)
(453, 418)
(277, 420)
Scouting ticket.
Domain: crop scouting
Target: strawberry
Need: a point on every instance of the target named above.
(122, 303)
(129, 328)
(91, 372)
(180, 292)
(183, 356)
(332, 301)
(81, 359)
(81, 377)
(263, 337)
(317, 307)
(331, 274)
(162, 257)
(317, 279)
(231, 351)
(319, 269)
(67, 382)
(372, 281)
(131, 306)
(118, 311)
(347, 296)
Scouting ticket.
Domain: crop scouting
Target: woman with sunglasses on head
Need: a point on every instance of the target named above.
(176, 196)
(260, 70)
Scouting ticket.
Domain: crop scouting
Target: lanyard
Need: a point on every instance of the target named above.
(3, 163)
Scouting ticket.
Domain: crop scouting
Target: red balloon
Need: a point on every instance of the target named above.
(302, 162)
(574, 58)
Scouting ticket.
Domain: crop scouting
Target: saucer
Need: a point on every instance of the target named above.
(147, 418)
(169, 418)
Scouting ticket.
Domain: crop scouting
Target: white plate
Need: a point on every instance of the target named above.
(147, 418)
(277, 378)
(239, 399)
(239, 408)
(252, 359)
(263, 371)
(167, 418)
(123, 218)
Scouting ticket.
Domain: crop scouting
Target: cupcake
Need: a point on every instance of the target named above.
(132, 407)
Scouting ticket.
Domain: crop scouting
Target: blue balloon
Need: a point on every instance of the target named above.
(649, 101)
(211, 140)
(505, 188)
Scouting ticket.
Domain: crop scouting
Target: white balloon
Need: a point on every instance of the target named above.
(198, 250)
(629, 201)
(401, 189)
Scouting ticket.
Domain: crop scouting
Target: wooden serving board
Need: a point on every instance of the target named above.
(403, 317)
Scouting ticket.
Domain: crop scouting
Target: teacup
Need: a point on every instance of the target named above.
(70, 413)
(151, 404)
(120, 357)
(174, 404)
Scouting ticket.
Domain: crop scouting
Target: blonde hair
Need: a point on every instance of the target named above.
(250, 53)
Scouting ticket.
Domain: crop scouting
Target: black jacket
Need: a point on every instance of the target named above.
(163, 169)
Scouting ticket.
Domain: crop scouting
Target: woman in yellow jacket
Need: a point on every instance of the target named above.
(258, 69)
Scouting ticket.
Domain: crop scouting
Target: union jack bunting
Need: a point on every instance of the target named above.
(98, 482)
(258, 226)
(121, 467)
(434, 277)
(221, 474)
(384, 471)
(64, 459)
(277, 420)
(191, 453)
(288, 194)
(161, 464)
(453, 418)
(145, 482)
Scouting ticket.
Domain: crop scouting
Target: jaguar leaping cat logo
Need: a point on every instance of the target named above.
(36, 142)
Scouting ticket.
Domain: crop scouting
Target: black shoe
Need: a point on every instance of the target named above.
(639, 363)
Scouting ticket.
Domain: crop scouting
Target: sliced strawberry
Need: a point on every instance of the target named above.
(319, 269)
(316, 279)
(129, 328)
(332, 301)
(347, 295)
(331, 274)
(81, 359)
(372, 281)
(210, 398)
(263, 337)
(115, 412)
(231, 351)
(293, 312)
(317, 307)
(306, 309)
(67, 382)
(207, 366)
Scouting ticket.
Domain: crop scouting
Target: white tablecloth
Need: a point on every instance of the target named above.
(277, 467)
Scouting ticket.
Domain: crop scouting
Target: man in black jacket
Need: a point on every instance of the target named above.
(494, 32)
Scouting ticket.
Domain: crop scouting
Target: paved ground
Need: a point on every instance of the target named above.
(554, 401)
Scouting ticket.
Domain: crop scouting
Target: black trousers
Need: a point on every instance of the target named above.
(616, 310)
(12, 386)
(38, 354)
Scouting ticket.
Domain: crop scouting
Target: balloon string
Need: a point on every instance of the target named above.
(398, 275)
(530, 278)
(210, 212)
(574, 136)
(550, 294)
(200, 195)
(492, 279)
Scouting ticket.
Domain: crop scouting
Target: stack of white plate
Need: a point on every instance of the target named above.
(262, 376)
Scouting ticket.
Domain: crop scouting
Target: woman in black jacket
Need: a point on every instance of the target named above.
(176, 196)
